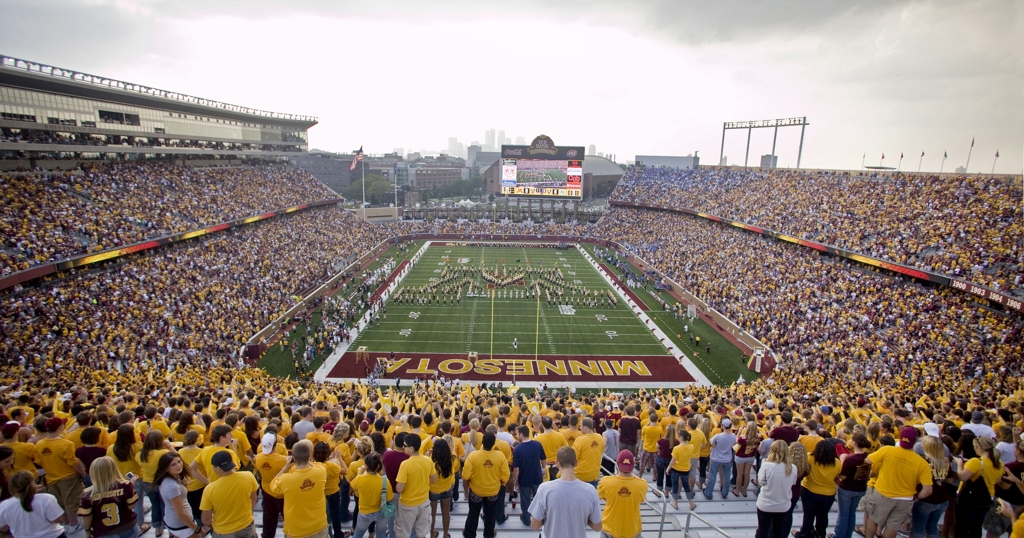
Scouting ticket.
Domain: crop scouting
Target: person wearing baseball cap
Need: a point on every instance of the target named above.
(227, 503)
(899, 472)
(65, 474)
(269, 463)
(622, 493)
(721, 459)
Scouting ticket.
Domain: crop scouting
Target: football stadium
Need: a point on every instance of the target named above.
(205, 332)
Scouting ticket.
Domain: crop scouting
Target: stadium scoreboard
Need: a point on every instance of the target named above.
(542, 170)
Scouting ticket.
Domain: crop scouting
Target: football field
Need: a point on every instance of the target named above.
(462, 300)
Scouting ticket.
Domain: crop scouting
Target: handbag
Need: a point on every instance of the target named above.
(974, 493)
(387, 509)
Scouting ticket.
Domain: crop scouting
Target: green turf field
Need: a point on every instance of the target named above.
(484, 325)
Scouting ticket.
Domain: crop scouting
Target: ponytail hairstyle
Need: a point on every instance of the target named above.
(935, 453)
(23, 486)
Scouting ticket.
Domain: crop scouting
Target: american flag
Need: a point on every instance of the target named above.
(358, 157)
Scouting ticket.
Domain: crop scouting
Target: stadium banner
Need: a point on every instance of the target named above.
(622, 369)
(542, 169)
(79, 261)
(935, 278)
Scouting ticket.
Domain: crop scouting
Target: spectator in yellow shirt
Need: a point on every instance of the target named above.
(485, 473)
(368, 487)
(650, 434)
(65, 475)
(228, 502)
(301, 483)
(622, 494)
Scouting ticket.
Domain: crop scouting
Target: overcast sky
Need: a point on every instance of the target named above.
(631, 77)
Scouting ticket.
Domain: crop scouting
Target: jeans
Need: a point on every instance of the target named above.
(363, 522)
(816, 509)
(848, 502)
(680, 477)
(140, 508)
(273, 507)
(130, 533)
(501, 517)
(489, 505)
(926, 518)
(702, 466)
(526, 495)
(724, 467)
(343, 497)
(773, 524)
(660, 468)
(334, 514)
(157, 502)
(194, 499)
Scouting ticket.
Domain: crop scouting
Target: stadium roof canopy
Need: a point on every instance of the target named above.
(18, 73)
(599, 166)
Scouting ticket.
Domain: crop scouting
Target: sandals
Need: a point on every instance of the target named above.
(675, 504)
(144, 528)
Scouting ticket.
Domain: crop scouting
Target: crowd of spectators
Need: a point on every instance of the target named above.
(830, 322)
(189, 305)
(50, 216)
(83, 139)
(474, 227)
(968, 226)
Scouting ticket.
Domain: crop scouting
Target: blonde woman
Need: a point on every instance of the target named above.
(798, 457)
(775, 501)
(108, 506)
(746, 455)
(928, 511)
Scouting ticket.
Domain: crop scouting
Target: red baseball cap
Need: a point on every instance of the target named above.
(626, 461)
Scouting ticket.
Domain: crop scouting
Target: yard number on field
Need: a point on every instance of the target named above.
(611, 334)
(567, 310)
(601, 317)
(405, 332)
(573, 273)
(414, 315)
(577, 281)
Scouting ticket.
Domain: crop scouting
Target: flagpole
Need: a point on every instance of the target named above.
(994, 159)
(921, 160)
(900, 163)
(943, 161)
(880, 160)
(862, 160)
(969, 156)
(363, 168)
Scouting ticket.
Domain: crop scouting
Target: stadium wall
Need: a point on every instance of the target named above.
(1006, 301)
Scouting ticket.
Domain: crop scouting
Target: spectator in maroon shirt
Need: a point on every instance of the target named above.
(392, 460)
(785, 431)
(629, 430)
(89, 452)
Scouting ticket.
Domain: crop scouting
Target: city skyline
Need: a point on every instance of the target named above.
(647, 78)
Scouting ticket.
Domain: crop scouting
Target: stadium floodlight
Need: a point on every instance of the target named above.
(758, 124)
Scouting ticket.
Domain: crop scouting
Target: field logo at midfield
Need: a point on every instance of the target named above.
(567, 310)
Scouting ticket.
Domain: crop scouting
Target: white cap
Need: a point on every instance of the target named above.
(267, 444)
(931, 428)
(770, 404)
(228, 401)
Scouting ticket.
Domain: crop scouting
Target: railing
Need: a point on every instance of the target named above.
(712, 526)
(67, 74)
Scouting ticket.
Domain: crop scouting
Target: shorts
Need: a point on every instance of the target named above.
(434, 497)
(887, 513)
(744, 461)
(68, 492)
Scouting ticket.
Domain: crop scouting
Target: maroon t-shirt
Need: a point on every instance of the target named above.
(392, 460)
(786, 433)
(89, 454)
(629, 428)
(111, 512)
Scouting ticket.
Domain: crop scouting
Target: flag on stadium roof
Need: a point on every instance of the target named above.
(972, 141)
(997, 153)
(358, 157)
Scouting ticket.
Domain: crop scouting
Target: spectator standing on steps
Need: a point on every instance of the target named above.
(721, 459)
(228, 503)
(414, 478)
(567, 506)
(527, 469)
(622, 494)
(629, 430)
(485, 473)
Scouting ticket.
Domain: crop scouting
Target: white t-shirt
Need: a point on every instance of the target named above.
(35, 524)
(776, 487)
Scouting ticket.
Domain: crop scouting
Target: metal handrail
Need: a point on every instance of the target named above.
(58, 72)
(692, 514)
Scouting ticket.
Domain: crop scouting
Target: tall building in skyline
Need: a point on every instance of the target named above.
(520, 141)
(501, 139)
(592, 150)
(489, 140)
